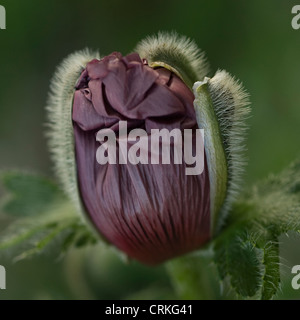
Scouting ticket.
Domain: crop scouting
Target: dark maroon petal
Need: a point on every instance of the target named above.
(85, 115)
(152, 212)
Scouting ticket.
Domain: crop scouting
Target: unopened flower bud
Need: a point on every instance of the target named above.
(128, 146)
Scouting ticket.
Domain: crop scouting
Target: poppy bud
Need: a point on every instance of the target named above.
(127, 145)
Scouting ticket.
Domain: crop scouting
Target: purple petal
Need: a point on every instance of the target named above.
(152, 212)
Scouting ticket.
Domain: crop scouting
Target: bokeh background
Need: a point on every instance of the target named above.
(254, 40)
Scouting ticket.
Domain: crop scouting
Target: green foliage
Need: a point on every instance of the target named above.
(247, 250)
(29, 193)
(251, 264)
(238, 258)
(245, 254)
(45, 219)
(271, 278)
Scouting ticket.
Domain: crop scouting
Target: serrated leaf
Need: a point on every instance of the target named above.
(244, 268)
(44, 217)
(271, 277)
(25, 239)
(29, 194)
(55, 233)
(270, 208)
(238, 259)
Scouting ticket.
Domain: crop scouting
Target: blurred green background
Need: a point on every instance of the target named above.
(253, 40)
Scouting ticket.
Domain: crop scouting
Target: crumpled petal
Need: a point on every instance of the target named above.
(152, 212)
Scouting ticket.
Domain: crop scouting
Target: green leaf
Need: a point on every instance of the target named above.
(264, 212)
(29, 194)
(271, 277)
(57, 230)
(244, 267)
(45, 219)
(277, 201)
(239, 259)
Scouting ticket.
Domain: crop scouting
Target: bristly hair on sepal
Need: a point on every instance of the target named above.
(59, 125)
(177, 53)
(232, 107)
(226, 128)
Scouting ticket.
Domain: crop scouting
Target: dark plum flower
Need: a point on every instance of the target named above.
(151, 211)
